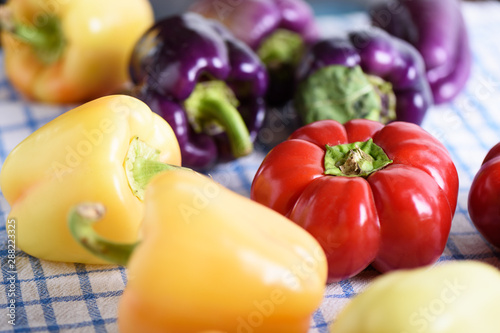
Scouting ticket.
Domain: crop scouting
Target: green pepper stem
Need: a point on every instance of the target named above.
(229, 118)
(357, 159)
(80, 222)
(212, 107)
(145, 170)
(142, 164)
(46, 39)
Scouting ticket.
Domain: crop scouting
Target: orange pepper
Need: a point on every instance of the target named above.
(211, 260)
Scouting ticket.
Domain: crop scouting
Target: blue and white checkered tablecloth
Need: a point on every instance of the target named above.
(63, 297)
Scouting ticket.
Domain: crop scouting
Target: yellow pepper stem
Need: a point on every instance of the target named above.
(47, 39)
(142, 164)
(80, 222)
(144, 170)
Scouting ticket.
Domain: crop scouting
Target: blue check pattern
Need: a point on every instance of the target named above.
(63, 297)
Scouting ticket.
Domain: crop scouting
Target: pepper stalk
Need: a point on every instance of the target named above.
(358, 159)
(80, 222)
(141, 165)
(212, 108)
(47, 40)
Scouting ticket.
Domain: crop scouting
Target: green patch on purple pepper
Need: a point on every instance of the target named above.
(344, 93)
(365, 74)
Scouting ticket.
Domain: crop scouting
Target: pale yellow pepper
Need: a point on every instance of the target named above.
(84, 154)
(211, 260)
(454, 297)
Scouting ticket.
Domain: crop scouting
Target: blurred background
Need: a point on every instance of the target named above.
(321, 7)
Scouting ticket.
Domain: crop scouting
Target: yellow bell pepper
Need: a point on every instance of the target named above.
(86, 153)
(211, 260)
(71, 51)
(454, 297)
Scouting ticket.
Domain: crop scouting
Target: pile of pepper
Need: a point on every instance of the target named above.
(212, 72)
(368, 73)
(361, 183)
(114, 161)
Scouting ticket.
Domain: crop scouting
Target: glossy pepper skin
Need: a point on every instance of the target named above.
(277, 30)
(484, 197)
(71, 51)
(437, 29)
(180, 55)
(203, 266)
(361, 75)
(82, 155)
(454, 297)
(392, 209)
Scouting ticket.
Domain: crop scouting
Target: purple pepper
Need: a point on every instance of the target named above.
(437, 29)
(277, 30)
(366, 74)
(205, 83)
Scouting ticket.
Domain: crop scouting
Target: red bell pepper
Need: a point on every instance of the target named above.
(369, 193)
(484, 197)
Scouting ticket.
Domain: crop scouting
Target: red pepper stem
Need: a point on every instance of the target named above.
(46, 39)
(80, 222)
(357, 159)
(212, 108)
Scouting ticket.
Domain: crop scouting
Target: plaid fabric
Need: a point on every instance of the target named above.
(62, 297)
